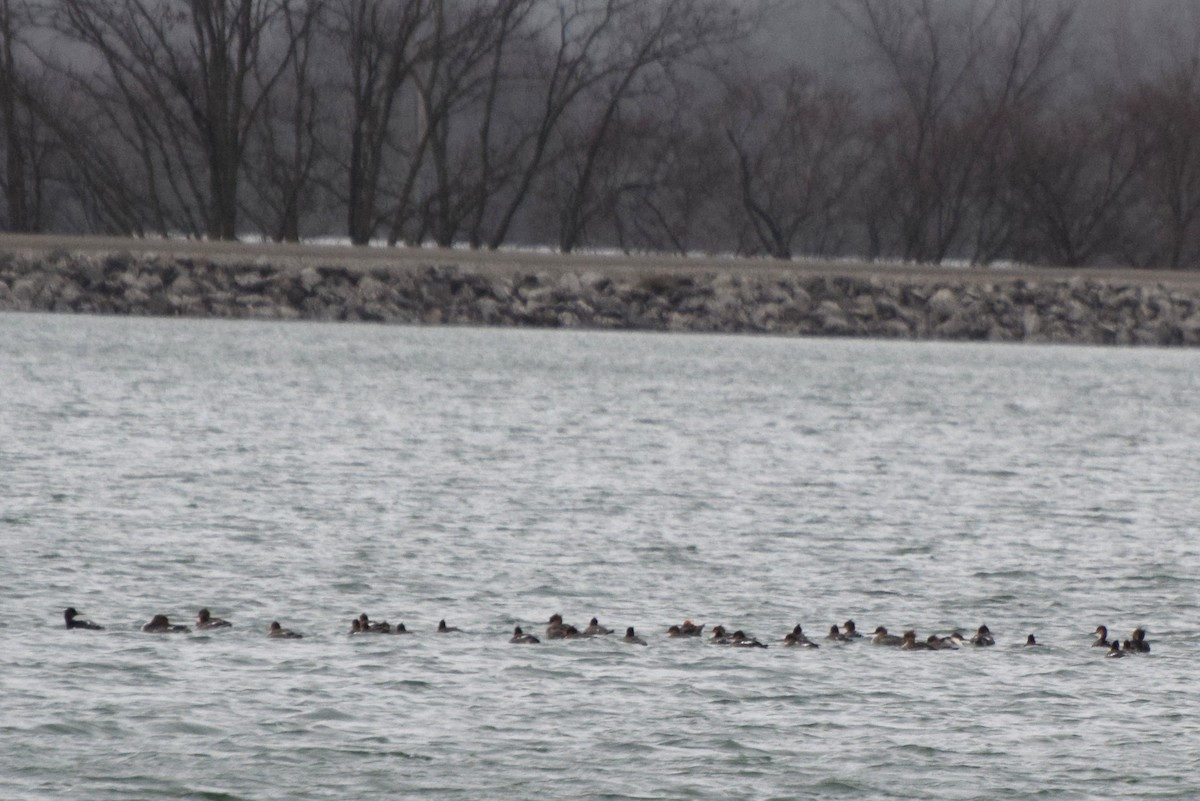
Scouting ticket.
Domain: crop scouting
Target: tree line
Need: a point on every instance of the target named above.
(952, 131)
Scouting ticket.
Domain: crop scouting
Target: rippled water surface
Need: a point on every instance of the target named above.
(307, 473)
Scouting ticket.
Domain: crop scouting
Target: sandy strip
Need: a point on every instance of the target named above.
(282, 255)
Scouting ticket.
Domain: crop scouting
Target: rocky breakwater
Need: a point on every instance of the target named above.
(942, 305)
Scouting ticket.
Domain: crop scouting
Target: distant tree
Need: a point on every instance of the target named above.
(665, 185)
(378, 43)
(283, 152)
(179, 84)
(17, 125)
(957, 72)
(799, 154)
(651, 39)
(1074, 178)
(1165, 114)
(457, 88)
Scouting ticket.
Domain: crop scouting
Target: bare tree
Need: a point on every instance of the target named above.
(799, 156)
(457, 83)
(1166, 115)
(283, 152)
(1074, 179)
(957, 71)
(378, 40)
(651, 38)
(666, 186)
(182, 83)
(20, 209)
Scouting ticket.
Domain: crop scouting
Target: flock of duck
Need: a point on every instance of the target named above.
(556, 629)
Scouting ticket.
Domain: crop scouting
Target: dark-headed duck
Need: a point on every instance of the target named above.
(1101, 637)
(280, 632)
(1114, 649)
(557, 630)
(718, 635)
(159, 624)
(400, 629)
(983, 636)
(367, 626)
(797, 639)
(521, 638)
(941, 643)
(594, 628)
(849, 631)
(444, 629)
(204, 620)
(883, 638)
(909, 642)
(690, 629)
(1139, 641)
(1031, 641)
(632, 638)
(836, 635)
(740, 639)
(73, 621)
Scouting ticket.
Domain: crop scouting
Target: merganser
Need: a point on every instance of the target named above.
(883, 638)
(521, 638)
(279, 631)
(983, 637)
(160, 625)
(69, 615)
(206, 621)
(797, 638)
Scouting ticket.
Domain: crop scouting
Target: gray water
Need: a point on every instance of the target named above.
(307, 473)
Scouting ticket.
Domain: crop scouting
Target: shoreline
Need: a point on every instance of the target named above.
(105, 275)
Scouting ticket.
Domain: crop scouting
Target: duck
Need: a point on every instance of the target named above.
(159, 624)
(690, 629)
(1139, 641)
(741, 640)
(366, 626)
(883, 638)
(836, 635)
(401, 629)
(675, 631)
(632, 638)
(1101, 637)
(849, 631)
(909, 642)
(718, 635)
(983, 637)
(594, 628)
(1114, 650)
(204, 620)
(1031, 642)
(940, 643)
(71, 617)
(557, 630)
(797, 638)
(279, 632)
(957, 639)
(521, 638)
(444, 629)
